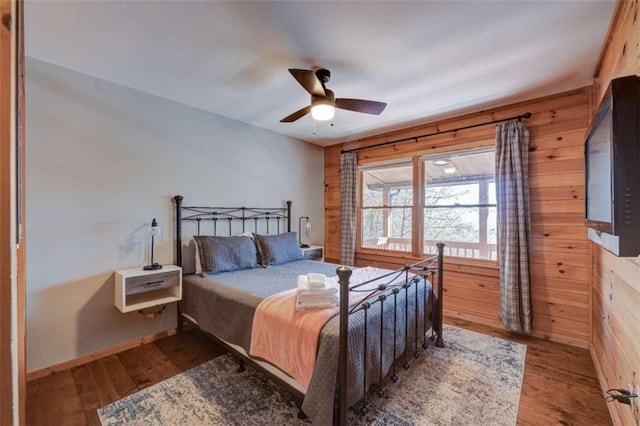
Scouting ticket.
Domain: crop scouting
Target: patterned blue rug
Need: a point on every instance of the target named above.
(474, 380)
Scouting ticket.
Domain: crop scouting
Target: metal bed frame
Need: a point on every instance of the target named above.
(384, 293)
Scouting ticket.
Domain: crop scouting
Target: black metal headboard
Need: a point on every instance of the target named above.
(272, 217)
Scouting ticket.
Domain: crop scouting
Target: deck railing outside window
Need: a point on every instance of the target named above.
(452, 248)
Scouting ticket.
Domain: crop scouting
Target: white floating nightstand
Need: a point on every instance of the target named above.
(312, 252)
(137, 289)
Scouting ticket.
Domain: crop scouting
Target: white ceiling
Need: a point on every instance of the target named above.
(425, 59)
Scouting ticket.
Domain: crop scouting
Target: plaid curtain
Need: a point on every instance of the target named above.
(512, 190)
(348, 190)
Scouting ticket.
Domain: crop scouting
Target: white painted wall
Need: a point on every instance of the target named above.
(103, 160)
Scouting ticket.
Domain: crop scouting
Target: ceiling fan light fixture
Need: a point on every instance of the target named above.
(323, 112)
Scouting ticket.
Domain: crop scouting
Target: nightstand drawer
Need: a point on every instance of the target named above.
(312, 253)
(135, 285)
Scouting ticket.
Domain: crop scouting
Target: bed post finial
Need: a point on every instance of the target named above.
(178, 217)
(289, 216)
(439, 340)
(344, 274)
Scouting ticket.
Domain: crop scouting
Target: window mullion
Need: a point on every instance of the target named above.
(417, 240)
(483, 214)
(360, 207)
(386, 200)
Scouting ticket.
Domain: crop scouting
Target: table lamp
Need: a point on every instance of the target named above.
(154, 231)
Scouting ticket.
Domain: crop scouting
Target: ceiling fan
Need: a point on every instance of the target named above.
(323, 100)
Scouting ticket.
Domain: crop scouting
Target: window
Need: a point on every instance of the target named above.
(455, 203)
(460, 204)
(387, 204)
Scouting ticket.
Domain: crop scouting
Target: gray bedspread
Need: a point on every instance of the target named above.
(224, 305)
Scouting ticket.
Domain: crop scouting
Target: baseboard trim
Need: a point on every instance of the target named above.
(85, 359)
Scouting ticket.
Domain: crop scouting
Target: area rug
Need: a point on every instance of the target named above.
(475, 380)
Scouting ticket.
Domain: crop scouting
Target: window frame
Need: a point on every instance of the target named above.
(361, 207)
(419, 207)
(483, 198)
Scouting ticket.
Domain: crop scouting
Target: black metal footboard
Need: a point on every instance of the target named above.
(384, 294)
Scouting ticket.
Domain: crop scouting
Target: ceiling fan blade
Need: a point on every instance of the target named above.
(360, 105)
(296, 115)
(308, 80)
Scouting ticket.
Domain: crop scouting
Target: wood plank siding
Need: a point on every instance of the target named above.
(615, 345)
(560, 251)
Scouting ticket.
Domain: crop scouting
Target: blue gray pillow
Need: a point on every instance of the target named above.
(276, 249)
(224, 254)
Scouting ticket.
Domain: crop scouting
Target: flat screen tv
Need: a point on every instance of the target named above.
(612, 160)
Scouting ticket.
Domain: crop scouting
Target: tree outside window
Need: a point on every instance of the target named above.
(387, 203)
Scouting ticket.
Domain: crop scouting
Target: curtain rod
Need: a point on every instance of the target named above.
(517, 117)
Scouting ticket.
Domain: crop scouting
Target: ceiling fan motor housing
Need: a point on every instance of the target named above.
(323, 75)
(329, 98)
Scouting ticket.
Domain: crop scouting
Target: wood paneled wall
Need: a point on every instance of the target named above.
(561, 270)
(615, 346)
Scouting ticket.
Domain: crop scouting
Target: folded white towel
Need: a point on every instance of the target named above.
(316, 302)
(317, 298)
(317, 280)
(308, 308)
(331, 287)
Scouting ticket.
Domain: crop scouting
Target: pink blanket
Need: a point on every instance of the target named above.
(288, 338)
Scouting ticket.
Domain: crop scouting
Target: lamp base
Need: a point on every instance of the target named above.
(152, 267)
(304, 246)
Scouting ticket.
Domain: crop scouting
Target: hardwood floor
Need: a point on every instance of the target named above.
(559, 386)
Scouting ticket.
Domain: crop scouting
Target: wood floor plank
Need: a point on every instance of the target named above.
(101, 379)
(188, 350)
(88, 393)
(574, 396)
(119, 378)
(86, 388)
(92, 418)
(148, 365)
(562, 360)
(53, 400)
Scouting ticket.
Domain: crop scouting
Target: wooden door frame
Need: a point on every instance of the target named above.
(12, 203)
